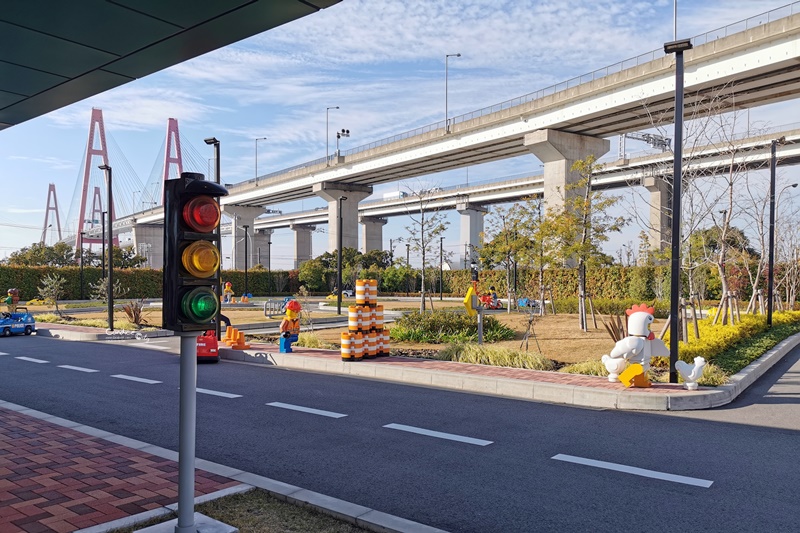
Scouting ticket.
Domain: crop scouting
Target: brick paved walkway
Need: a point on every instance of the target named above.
(55, 479)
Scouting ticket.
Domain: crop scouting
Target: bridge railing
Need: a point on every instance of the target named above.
(704, 38)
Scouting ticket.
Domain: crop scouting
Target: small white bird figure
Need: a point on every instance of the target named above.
(691, 373)
(614, 366)
(640, 344)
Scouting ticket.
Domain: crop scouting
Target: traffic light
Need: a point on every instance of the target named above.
(191, 252)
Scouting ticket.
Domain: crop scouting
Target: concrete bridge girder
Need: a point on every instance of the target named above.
(148, 240)
(372, 232)
(352, 194)
(559, 150)
(302, 243)
(471, 223)
(242, 215)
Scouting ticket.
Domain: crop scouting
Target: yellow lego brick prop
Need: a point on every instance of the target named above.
(634, 376)
(468, 302)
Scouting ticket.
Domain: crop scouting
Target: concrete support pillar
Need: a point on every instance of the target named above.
(371, 233)
(331, 192)
(471, 223)
(559, 150)
(262, 242)
(241, 215)
(660, 212)
(302, 243)
(148, 241)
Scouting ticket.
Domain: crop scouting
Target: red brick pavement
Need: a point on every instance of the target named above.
(55, 479)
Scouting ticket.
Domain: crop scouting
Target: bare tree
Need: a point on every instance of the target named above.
(427, 225)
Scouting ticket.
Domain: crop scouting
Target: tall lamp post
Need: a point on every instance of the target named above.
(110, 279)
(258, 139)
(103, 243)
(441, 268)
(339, 259)
(677, 48)
(446, 116)
(269, 265)
(773, 164)
(81, 260)
(327, 109)
(245, 226)
(212, 141)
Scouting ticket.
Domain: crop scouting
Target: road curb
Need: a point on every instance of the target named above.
(576, 395)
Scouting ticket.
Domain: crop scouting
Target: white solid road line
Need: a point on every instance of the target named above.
(217, 393)
(309, 410)
(635, 471)
(31, 360)
(156, 347)
(78, 368)
(139, 380)
(439, 434)
(3, 353)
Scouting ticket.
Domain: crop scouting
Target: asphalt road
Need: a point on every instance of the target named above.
(491, 464)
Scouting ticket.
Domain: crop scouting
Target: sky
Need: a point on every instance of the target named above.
(382, 63)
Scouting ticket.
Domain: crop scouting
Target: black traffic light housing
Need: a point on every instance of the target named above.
(191, 252)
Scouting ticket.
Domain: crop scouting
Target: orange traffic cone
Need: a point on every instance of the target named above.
(240, 344)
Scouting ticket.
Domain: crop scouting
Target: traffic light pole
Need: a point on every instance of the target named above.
(187, 435)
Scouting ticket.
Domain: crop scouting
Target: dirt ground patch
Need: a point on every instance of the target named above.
(557, 337)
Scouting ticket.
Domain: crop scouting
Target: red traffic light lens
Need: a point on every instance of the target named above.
(201, 213)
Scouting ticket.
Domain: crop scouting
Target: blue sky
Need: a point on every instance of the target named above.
(381, 62)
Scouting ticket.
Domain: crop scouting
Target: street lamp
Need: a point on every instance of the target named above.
(339, 259)
(678, 48)
(441, 268)
(110, 279)
(245, 226)
(773, 163)
(339, 135)
(269, 265)
(81, 259)
(103, 243)
(212, 141)
(327, 109)
(446, 116)
(259, 139)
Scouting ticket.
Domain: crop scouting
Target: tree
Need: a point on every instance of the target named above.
(506, 244)
(40, 254)
(52, 289)
(424, 232)
(127, 257)
(582, 225)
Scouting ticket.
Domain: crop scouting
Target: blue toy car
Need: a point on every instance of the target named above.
(19, 322)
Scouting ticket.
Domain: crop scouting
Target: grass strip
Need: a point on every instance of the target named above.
(748, 350)
(257, 511)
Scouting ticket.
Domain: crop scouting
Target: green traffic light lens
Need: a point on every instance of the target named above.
(200, 305)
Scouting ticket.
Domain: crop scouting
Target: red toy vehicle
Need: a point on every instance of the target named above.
(490, 302)
(208, 347)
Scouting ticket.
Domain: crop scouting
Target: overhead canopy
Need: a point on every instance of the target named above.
(54, 53)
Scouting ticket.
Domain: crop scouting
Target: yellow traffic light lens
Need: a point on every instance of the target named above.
(200, 305)
(201, 213)
(201, 259)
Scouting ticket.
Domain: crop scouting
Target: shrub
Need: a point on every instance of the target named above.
(309, 339)
(52, 290)
(447, 327)
(495, 356)
(605, 306)
(713, 376)
(594, 367)
(134, 312)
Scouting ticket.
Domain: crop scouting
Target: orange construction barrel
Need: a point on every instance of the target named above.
(360, 292)
(346, 355)
(353, 318)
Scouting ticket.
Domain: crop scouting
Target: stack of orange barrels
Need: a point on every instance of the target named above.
(365, 336)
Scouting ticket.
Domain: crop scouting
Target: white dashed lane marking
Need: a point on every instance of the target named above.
(635, 471)
(78, 368)
(217, 393)
(439, 434)
(31, 360)
(138, 380)
(309, 410)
